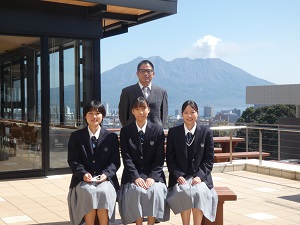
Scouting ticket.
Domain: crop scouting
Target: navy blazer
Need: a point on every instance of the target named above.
(105, 159)
(203, 154)
(147, 159)
(158, 103)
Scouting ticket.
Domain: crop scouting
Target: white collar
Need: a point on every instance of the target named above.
(95, 134)
(143, 128)
(191, 131)
(149, 86)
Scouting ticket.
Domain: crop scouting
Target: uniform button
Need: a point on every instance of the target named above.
(193, 160)
(141, 157)
(142, 167)
(93, 161)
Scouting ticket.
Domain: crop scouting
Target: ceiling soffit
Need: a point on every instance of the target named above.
(117, 16)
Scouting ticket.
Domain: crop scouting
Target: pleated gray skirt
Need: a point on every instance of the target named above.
(186, 196)
(136, 202)
(85, 197)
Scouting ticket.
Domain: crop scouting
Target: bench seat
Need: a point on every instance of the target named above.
(224, 157)
(224, 194)
(217, 150)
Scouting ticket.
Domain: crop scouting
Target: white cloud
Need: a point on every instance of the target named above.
(205, 47)
(209, 46)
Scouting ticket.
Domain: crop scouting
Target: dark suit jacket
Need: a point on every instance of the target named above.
(81, 159)
(147, 159)
(158, 103)
(203, 154)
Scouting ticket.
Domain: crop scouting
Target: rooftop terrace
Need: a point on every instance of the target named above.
(268, 193)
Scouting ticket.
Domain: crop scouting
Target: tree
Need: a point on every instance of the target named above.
(267, 115)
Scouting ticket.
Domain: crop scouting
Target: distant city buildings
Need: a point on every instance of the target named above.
(112, 117)
(113, 112)
(208, 111)
(55, 114)
(68, 110)
(106, 108)
(237, 112)
(256, 106)
(226, 116)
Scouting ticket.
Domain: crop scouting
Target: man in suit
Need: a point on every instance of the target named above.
(156, 97)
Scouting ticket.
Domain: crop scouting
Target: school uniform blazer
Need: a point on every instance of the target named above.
(147, 159)
(105, 159)
(202, 157)
(158, 103)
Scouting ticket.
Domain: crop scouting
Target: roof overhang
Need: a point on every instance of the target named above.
(117, 16)
(66, 18)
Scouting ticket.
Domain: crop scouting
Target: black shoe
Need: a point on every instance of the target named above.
(145, 220)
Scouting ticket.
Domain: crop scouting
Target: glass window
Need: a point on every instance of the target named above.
(66, 71)
(20, 138)
(20, 113)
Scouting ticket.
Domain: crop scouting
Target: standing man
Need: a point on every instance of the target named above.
(156, 97)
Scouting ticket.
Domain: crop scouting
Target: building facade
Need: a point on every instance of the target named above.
(208, 111)
(49, 68)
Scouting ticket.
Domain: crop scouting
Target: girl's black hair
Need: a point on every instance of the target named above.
(138, 102)
(191, 103)
(94, 105)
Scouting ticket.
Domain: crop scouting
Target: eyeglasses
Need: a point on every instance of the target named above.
(146, 71)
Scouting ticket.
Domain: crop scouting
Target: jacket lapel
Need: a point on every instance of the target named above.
(102, 135)
(138, 91)
(136, 137)
(147, 136)
(151, 94)
(87, 142)
(181, 137)
(198, 139)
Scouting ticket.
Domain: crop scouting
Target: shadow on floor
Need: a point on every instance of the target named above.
(117, 222)
(57, 223)
(294, 198)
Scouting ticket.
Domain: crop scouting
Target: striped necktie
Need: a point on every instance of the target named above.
(146, 92)
(189, 138)
(142, 136)
(94, 142)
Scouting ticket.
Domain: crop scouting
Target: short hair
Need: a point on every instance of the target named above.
(145, 62)
(190, 103)
(94, 105)
(139, 102)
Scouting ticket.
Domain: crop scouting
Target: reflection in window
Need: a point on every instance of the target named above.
(20, 133)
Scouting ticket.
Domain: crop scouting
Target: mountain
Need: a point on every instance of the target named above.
(207, 81)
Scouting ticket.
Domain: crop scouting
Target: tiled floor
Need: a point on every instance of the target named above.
(262, 200)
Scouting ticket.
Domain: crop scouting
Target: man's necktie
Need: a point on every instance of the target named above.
(189, 138)
(142, 136)
(146, 93)
(94, 142)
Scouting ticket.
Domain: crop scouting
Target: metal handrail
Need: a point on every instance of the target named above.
(260, 128)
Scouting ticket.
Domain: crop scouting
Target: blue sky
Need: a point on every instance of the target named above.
(259, 36)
